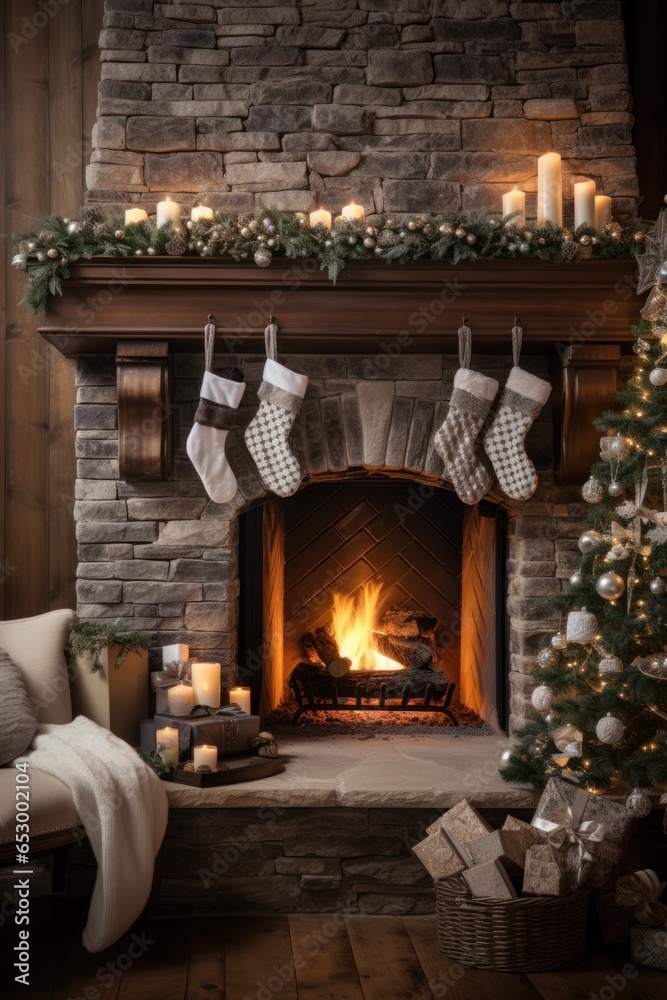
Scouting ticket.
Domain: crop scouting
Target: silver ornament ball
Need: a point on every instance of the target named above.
(558, 641)
(661, 273)
(592, 491)
(151, 251)
(541, 698)
(641, 346)
(546, 656)
(471, 239)
(609, 665)
(657, 586)
(576, 580)
(658, 376)
(506, 756)
(610, 729)
(638, 803)
(262, 257)
(611, 586)
(446, 229)
(369, 243)
(589, 541)
(615, 446)
(614, 489)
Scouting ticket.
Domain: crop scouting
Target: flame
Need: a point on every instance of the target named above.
(353, 620)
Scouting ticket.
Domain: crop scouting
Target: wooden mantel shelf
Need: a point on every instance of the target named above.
(110, 300)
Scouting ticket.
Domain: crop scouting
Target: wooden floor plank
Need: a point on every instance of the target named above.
(206, 971)
(593, 973)
(649, 983)
(258, 959)
(323, 957)
(549, 986)
(80, 971)
(446, 977)
(386, 960)
(161, 970)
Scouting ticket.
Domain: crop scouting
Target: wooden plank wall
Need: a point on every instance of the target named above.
(478, 616)
(48, 100)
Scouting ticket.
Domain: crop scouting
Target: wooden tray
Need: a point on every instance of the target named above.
(242, 768)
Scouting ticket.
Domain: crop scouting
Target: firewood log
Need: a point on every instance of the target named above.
(321, 647)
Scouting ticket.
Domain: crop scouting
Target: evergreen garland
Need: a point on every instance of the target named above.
(632, 628)
(46, 255)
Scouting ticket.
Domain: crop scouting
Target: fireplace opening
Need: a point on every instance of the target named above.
(373, 602)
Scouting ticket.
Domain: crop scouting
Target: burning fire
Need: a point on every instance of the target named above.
(353, 620)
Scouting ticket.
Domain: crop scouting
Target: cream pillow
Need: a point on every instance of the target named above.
(37, 647)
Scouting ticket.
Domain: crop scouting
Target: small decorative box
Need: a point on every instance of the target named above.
(439, 856)
(544, 873)
(527, 834)
(231, 734)
(648, 946)
(462, 824)
(505, 845)
(489, 881)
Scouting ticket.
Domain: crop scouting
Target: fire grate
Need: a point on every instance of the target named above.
(308, 692)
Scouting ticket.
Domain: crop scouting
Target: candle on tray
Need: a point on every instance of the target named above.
(202, 212)
(353, 212)
(549, 190)
(602, 211)
(241, 695)
(584, 204)
(134, 215)
(180, 699)
(515, 201)
(168, 211)
(205, 756)
(166, 743)
(206, 684)
(321, 217)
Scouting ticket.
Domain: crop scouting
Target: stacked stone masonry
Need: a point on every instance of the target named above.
(163, 557)
(402, 105)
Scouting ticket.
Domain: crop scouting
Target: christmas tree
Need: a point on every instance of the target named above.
(601, 698)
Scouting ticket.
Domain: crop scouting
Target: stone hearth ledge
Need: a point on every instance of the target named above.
(425, 771)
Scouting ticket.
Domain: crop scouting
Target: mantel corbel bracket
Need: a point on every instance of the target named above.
(144, 410)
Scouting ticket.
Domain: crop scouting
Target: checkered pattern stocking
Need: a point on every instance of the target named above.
(523, 397)
(281, 394)
(220, 395)
(456, 440)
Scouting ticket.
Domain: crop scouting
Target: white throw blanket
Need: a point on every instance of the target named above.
(123, 808)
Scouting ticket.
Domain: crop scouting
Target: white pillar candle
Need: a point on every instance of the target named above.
(202, 212)
(549, 190)
(584, 204)
(321, 217)
(602, 211)
(352, 212)
(166, 744)
(180, 699)
(168, 211)
(515, 201)
(134, 215)
(206, 684)
(241, 696)
(205, 756)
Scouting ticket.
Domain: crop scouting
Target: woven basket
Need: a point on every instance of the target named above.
(532, 934)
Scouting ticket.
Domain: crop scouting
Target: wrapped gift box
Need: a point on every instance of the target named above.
(648, 946)
(462, 824)
(505, 845)
(489, 881)
(544, 873)
(552, 810)
(439, 856)
(527, 834)
(231, 734)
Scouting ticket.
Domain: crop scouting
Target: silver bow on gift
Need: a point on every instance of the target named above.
(566, 827)
(176, 672)
(641, 891)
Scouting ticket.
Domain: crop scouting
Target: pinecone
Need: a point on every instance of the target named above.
(176, 246)
(387, 238)
(570, 250)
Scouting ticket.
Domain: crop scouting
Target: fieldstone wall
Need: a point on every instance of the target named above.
(401, 105)
(164, 557)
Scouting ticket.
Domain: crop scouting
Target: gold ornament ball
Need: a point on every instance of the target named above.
(52, 253)
(446, 229)
(546, 656)
(585, 240)
(119, 234)
(371, 231)
(460, 233)
(412, 224)
(611, 586)
(32, 246)
(639, 236)
(471, 239)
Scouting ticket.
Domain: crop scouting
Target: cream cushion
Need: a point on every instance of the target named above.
(37, 647)
(51, 804)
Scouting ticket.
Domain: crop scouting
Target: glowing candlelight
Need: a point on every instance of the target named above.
(166, 742)
(241, 695)
(353, 212)
(180, 699)
(584, 204)
(515, 201)
(202, 213)
(205, 756)
(321, 217)
(602, 211)
(206, 684)
(168, 211)
(549, 190)
(135, 215)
